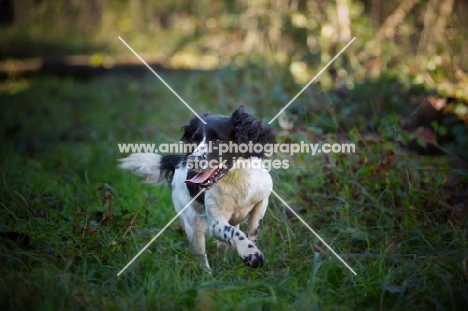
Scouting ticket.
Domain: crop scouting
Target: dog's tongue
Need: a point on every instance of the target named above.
(201, 177)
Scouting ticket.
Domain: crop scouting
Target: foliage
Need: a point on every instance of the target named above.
(426, 46)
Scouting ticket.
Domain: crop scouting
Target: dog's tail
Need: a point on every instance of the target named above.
(154, 167)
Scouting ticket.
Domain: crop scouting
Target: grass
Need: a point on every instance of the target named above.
(389, 213)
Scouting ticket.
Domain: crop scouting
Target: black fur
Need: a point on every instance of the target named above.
(169, 164)
(239, 128)
(248, 128)
(194, 189)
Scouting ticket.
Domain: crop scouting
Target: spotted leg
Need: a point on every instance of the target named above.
(248, 252)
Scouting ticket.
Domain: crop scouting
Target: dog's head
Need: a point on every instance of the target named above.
(214, 147)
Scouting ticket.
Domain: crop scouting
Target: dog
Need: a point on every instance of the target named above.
(236, 186)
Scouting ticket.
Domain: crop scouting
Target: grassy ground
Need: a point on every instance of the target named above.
(395, 217)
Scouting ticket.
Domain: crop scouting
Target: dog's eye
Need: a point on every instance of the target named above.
(218, 141)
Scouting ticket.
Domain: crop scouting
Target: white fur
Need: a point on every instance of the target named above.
(145, 165)
(240, 189)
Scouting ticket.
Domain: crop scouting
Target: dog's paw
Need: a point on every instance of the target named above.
(254, 260)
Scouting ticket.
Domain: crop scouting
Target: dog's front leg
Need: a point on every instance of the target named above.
(248, 252)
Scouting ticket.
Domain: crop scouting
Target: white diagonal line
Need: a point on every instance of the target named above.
(313, 79)
(167, 85)
(318, 236)
(160, 232)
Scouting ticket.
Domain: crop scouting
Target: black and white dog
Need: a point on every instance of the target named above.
(237, 187)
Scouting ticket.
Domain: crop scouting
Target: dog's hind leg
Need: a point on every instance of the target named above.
(195, 228)
(255, 220)
(222, 249)
(193, 222)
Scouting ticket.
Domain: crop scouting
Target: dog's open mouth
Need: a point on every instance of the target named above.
(209, 178)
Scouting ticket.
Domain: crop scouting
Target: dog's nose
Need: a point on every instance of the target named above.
(191, 159)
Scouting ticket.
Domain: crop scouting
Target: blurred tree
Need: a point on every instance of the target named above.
(343, 22)
(23, 9)
(304, 34)
(137, 8)
(376, 10)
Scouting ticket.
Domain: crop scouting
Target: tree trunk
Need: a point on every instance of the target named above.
(343, 21)
(137, 13)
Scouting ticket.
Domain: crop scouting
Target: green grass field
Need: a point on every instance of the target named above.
(394, 217)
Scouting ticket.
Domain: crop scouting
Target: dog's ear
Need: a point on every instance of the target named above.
(248, 128)
(190, 129)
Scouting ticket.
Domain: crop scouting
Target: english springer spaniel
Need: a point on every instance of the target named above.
(236, 186)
